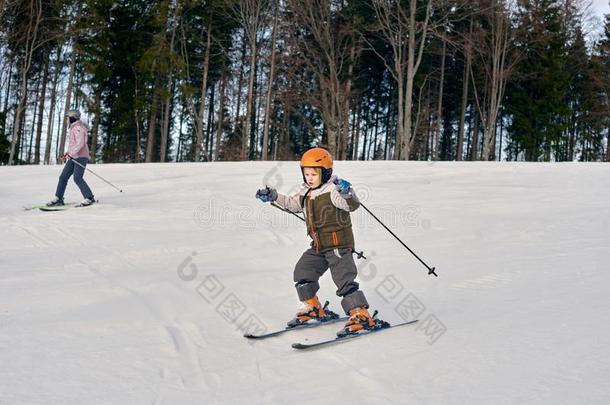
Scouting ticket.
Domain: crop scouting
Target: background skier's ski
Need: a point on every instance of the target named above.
(66, 206)
(38, 207)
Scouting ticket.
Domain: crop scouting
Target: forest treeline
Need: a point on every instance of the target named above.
(187, 80)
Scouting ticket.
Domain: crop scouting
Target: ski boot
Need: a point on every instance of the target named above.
(359, 320)
(55, 202)
(312, 311)
(87, 202)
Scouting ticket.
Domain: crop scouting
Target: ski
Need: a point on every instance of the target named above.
(33, 207)
(39, 207)
(303, 346)
(298, 327)
(65, 207)
(85, 206)
(60, 208)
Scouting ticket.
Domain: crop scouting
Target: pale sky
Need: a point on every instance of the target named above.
(601, 7)
(594, 28)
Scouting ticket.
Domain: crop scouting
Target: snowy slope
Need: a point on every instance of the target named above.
(141, 298)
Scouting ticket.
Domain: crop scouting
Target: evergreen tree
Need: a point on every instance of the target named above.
(599, 80)
(536, 97)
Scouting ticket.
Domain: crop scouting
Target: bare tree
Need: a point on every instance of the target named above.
(221, 112)
(406, 35)
(239, 85)
(67, 106)
(251, 16)
(467, 52)
(270, 82)
(328, 50)
(136, 112)
(199, 117)
(168, 96)
(41, 105)
(97, 101)
(497, 57)
(152, 123)
(2, 9)
(197, 111)
(439, 111)
(31, 42)
(56, 74)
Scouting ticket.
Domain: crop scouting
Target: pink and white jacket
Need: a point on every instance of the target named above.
(78, 140)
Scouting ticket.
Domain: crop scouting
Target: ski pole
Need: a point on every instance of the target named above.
(359, 254)
(285, 210)
(95, 174)
(430, 270)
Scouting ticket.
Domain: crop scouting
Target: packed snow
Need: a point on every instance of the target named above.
(144, 297)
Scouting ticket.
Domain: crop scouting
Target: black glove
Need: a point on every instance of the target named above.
(266, 194)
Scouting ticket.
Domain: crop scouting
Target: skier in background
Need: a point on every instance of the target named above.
(79, 152)
(326, 202)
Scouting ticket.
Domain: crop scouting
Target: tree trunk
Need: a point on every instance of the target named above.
(439, 111)
(30, 46)
(240, 83)
(413, 62)
(398, 26)
(166, 119)
(221, 113)
(501, 133)
(180, 134)
(16, 139)
(41, 105)
(169, 89)
(58, 68)
(365, 140)
(210, 126)
(58, 132)
(64, 126)
(357, 132)
(400, 125)
(474, 149)
(374, 143)
(204, 86)
(270, 85)
(608, 146)
(33, 128)
(96, 123)
(389, 124)
(6, 97)
(249, 103)
(152, 125)
(285, 134)
(254, 116)
(348, 91)
(466, 79)
(21, 142)
(499, 71)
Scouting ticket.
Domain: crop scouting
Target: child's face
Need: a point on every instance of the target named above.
(311, 176)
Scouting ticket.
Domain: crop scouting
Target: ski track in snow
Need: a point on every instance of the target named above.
(93, 308)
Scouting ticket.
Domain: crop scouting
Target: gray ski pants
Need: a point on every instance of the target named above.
(311, 266)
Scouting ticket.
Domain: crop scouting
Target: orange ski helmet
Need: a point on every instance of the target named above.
(318, 158)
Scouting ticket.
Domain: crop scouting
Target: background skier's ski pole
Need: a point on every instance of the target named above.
(359, 254)
(430, 270)
(96, 175)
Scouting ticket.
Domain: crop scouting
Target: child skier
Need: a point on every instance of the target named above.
(79, 152)
(326, 203)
